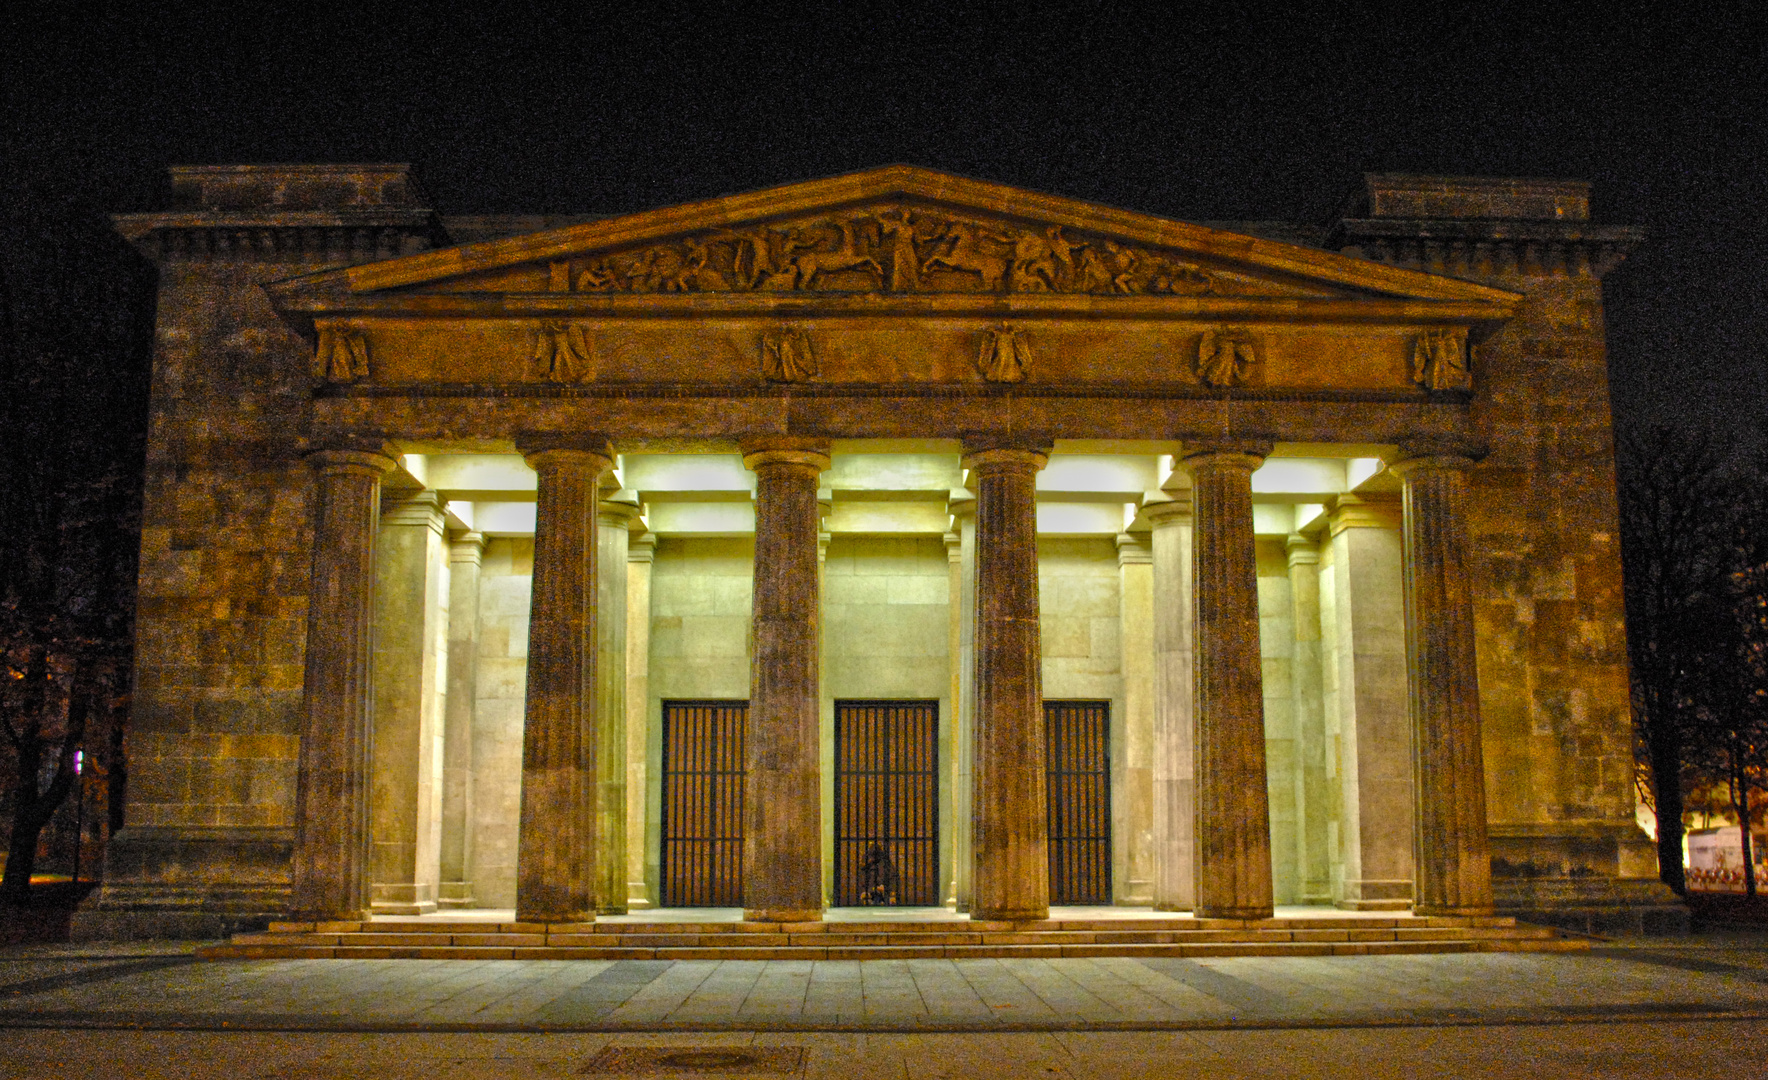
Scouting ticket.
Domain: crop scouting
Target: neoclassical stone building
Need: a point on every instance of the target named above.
(892, 538)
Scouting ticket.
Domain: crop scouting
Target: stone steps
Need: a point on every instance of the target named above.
(926, 940)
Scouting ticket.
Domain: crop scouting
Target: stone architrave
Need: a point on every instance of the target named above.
(1011, 876)
(405, 817)
(1174, 768)
(1133, 768)
(556, 848)
(1233, 822)
(612, 536)
(1453, 871)
(782, 850)
(459, 779)
(330, 867)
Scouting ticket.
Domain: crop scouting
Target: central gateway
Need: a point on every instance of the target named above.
(887, 803)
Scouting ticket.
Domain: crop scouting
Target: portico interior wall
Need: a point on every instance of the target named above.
(1080, 612)
(701, 592)
(885, 635)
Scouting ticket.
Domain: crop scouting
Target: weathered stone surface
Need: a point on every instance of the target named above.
(459, 763)
(465, 351)
(555, 864)
(331, 872)
(1010, 879)
(782, 836)
(1233, 823)
(1454, 867)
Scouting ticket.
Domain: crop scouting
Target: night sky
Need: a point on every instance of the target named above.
(1198, 113)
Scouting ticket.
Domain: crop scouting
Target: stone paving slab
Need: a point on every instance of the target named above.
(1611, 984)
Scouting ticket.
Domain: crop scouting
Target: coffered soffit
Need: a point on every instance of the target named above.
(895, 241)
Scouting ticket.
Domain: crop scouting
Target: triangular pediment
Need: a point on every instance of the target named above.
(890, 231)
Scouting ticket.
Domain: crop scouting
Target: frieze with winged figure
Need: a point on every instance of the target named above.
(899, 249)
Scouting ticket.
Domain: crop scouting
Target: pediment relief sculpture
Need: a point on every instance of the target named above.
(1005, 357)
(899, 249)
(786, 356)
(341, 355)
(563, 353)
(1439, 360)
(1226, 356)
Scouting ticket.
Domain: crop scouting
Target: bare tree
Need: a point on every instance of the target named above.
(1674, 494)
(75, 318)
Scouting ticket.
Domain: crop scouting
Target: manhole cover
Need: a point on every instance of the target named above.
(697, 1060)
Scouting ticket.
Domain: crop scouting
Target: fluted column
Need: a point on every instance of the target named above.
(1453, 864)
(1233, 824)
(640, 550)
(1011, 877)
(459, 778)
(1175, 886)
(612, 524)
(782, 836)
(330, 868)
(1133, 769)
(556, 849)
(963, 757)
(1312, 798)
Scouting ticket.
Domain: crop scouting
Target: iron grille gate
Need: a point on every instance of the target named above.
(1078, 756)
(702, 852)
(886, 803)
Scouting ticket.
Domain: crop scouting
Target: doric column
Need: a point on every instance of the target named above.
(330, 870)
(1453, 864)
(1011, 877)
(782, 837)
(640, 550)
(612, 524)
(405, 815)
(963, 756)
(465, 553)
(1313, 801)
(1233, 825)
(1133, 804)
(556, 848)
(1374, 737)
(1175, 885)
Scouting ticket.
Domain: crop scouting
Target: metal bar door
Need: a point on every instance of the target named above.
(886, 803)
(1078, 757)
(702, 852)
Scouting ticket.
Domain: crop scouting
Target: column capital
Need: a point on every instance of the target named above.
(618, 514)
(641, 547)
(982, 458)
(422, 509)
(596, 460)
(1375, 510)
(954, 547)
(358, 460)
(466, 547)
(961, 503)
(1163, 513)
(1225, 454)
(1302, 550)
(764, 450)
(1134, 550)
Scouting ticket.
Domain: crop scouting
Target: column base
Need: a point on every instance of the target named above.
(455, 894)
(1037, 914)
(1347, 904)
(782, 915)
(1172, 907)
(612, 909)
(1452, 912)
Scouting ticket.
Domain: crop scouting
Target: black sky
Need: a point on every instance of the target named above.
(1196, 111)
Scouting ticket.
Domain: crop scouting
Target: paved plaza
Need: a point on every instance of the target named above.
(1665, 1007)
